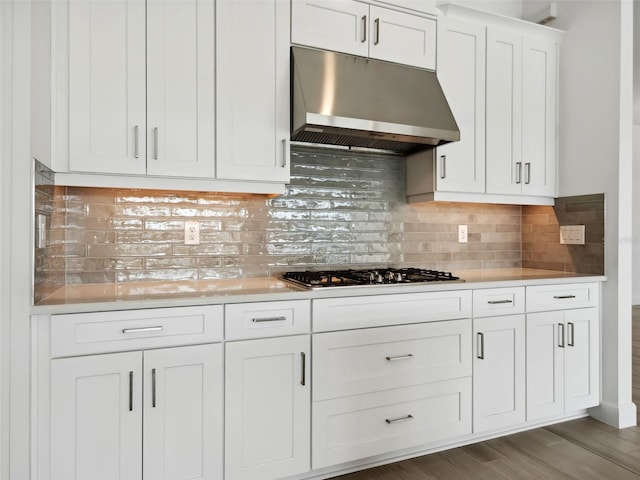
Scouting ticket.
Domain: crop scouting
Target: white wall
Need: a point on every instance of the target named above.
(595, 129)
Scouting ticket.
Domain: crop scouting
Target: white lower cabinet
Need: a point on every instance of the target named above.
(562, 362)
(267, 408)
(118, 415)
(360, 426)
(498, 372)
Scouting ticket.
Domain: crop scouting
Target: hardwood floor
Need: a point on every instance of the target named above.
(582, 449)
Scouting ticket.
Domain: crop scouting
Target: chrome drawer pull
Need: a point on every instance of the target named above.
(364, 29)
(303, 358)
(158, 328)
(153, 387)
(560, 297)
(400, 357)
(571, 334)
(268, 319)
(400, 419)
(131, 391)
(561, 335)
(480, 345)
(496, 302)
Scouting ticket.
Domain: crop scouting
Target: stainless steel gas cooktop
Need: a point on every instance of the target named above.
(378, 276)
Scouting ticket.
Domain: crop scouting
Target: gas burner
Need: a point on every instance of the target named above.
(378, 276)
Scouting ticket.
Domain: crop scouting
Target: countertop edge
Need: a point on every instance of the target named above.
(298, 294)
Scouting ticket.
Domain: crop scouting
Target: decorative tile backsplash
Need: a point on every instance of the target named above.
(541, 246)
(341, 209)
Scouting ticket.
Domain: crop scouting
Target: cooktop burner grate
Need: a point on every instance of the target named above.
(379, 276)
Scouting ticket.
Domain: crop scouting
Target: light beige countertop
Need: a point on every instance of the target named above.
(159, 294)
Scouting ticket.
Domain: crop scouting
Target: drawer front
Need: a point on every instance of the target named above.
(498, 301)
(361, 361)
(542, 298)
(361, 426)
(382, 310)
(267, 319)
(87, 333)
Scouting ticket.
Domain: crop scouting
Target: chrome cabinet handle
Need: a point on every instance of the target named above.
(268, 319)
(131, 391)
(363, 38)
(303, 358)
(158, 328)
(136, 141)
(518, 172)
(377, 38)
(480, 345)
(497, 302)
(399, 419)
(571, 334)
(400, 357)
(561, 335)
(562, 297)
(153, 387)
(155, 143)
(443, 166)
(284, 152)
(527, 173)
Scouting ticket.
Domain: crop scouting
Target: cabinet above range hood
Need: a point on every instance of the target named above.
(345, 100)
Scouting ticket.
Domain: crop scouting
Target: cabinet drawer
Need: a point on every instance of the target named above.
(541, 298)
(498, 301)
(361, 426)
(374, 359)
(87, 333)
(382, 310)
(267, 319)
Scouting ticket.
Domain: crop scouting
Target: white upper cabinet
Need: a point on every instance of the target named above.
(107, 105)
(539, 116)
(366, 30)
(252, 39)
(504, 112)
(123, 119)
(340, 25)
(500, 77)
(180, 88)
(461, 71)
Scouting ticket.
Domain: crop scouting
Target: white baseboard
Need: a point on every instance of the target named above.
(619, 416)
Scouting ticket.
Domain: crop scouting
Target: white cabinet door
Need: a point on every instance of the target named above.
(339, 25)
(183, 413)
(498, 372)
(460, 166)
(96, 421)
(504, 112)
(545, 364)
(267, 408)
(252, 46)
(107, 87)
(582, 381)
(539, 113)
(181, 88)
(402, 38)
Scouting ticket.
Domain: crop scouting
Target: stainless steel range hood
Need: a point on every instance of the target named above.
(346, 100)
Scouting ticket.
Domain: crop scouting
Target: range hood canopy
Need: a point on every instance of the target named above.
(346, 100)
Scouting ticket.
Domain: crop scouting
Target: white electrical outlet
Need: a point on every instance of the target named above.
(462, 234)
(572, 234)
(191, 233)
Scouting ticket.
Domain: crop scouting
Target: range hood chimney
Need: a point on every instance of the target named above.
(345, 100)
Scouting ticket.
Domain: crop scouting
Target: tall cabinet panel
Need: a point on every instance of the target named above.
(267, 408)
(107, 87)
(252, 45)
(183, 413)
(97, 413)
(504, 112)
(539, 116)
(181, 88)
(461, 70)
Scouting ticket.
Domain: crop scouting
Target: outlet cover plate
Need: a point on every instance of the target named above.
(572, 234)
(462, 234)
(191, 233)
